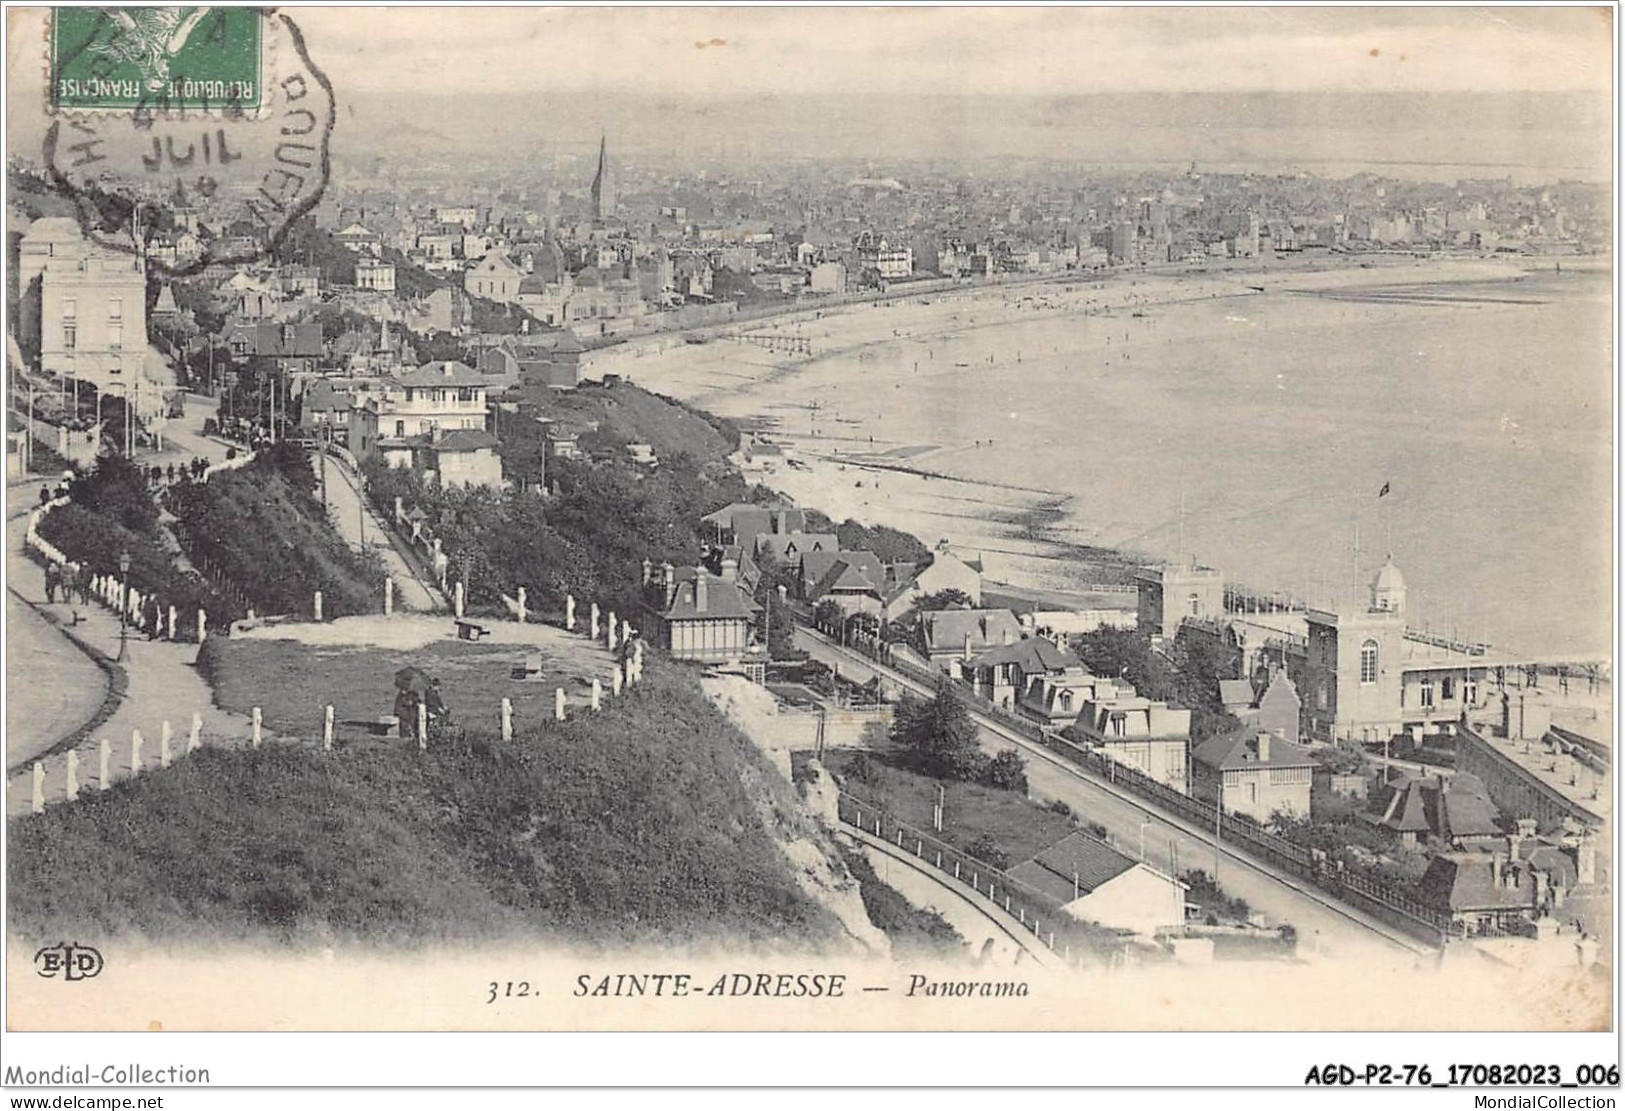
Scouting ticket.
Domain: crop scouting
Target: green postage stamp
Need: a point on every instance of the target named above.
(157, 58)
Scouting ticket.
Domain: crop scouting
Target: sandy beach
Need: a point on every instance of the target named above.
(1028, 421)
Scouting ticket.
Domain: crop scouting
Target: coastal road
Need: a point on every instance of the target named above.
(1325, 927)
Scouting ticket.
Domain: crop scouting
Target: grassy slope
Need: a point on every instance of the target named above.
(1018, 826)
(635, 415)
(653, 821)
(276, 545)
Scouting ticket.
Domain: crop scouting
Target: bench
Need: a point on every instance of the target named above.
(529, 668)
(469, 630)
(383, 725)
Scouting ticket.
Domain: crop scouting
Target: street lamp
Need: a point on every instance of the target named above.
(123, 606)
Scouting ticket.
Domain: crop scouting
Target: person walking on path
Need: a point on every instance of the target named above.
(53, 580)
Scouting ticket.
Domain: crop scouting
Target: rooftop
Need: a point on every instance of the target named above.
(1074, 866)
(444, 373)
(1246, 748)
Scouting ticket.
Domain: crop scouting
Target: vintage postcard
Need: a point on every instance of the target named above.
(728, 519)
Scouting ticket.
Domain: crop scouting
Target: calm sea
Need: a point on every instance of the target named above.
(1256, 433)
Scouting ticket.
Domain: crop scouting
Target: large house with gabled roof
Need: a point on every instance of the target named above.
(695, 615)
(433, 419)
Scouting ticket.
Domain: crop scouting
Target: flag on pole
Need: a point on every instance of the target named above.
(1386, 486)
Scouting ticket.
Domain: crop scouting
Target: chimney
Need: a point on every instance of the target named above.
(1263, 748)
(700, 590)
(967, 646)
(1004, 636)
(1526, 830)
(781, 522)
(1585, 860)
(668, 579)
(1495, 868)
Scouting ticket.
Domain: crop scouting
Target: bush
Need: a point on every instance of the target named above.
(1059, 806)
(1007, 771)
(912, 930)
(859, 768)
(985, 849)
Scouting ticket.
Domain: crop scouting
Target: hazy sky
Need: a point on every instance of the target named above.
(700, 51)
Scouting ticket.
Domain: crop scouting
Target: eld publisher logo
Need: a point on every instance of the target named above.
(71, 962)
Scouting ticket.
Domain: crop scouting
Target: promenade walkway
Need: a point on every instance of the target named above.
(162, 684)
(160, 679)
(55, 688)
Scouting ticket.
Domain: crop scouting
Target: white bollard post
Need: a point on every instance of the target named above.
(327, 729)
(423, 725)
(558, 703)
(202, 625)
(389, 597)
(609, 632)
(104, 778)
(457, 601)
(523, 612)
(615, 680)
(254, 736)
(626, 632)
(592, 621)
(163, 745)
(316, 605)
(73, 774)
(569, 613)
(135, 752)
(194, 741)
(39, 787)
(172, 616)
(507, 719)
(597, 694)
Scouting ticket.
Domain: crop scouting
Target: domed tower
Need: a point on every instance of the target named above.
(1388, 589)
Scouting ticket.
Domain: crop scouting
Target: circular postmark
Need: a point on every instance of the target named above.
(210, 151)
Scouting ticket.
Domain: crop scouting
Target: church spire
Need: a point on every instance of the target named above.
(603, 183)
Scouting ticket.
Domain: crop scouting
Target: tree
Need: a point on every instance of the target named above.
(1127, 654)
(939, 734)
(947, 598)
(1007, 771)
(828, 614)
(781, 628)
